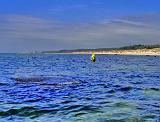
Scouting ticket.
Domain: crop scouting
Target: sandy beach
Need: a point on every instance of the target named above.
(154, 51)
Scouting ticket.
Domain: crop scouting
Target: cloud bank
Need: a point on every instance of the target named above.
(27, 33)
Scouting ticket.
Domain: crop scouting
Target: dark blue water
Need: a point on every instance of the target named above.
(70, 88)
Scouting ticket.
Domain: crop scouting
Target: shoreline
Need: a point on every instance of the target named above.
(152, 52)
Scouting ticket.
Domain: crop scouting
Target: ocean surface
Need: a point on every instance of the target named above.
(71, 88)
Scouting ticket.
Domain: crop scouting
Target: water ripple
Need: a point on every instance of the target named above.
(71, 88)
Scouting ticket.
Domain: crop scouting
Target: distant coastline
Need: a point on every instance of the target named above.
(155, 51)
(127, 50)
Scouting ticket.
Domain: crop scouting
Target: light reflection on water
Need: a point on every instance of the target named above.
(71, 88)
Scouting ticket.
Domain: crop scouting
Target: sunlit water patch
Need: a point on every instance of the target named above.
(66, 88)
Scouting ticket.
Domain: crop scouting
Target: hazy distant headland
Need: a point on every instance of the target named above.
(126, 50)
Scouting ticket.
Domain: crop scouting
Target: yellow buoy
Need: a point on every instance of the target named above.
(93, 58)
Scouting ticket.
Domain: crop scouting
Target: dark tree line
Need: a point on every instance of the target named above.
(132, 47)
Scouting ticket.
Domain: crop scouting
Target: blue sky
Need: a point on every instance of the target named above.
(37, 25)
(79, 10)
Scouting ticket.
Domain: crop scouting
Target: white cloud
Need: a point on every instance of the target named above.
(31, 33)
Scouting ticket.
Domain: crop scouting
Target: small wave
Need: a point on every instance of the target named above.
(80, 114)
(2, 84)
(33, 100)
(134, 76)
(127, 88)
(72, 107)
(67, 101)
(27, 112)
(128, 119)
(155, 89)
(90, 109)
(117, 86)
(111, 91)
(61, 83)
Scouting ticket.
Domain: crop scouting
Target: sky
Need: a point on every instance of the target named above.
(41, 25)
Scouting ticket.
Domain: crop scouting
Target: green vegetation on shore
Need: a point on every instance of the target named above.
(132, 47)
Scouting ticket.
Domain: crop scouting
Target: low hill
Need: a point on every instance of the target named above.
(125, 48)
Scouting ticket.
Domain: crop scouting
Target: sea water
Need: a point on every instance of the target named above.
(71, 88)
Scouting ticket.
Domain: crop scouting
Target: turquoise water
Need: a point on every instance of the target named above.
(70, 88)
